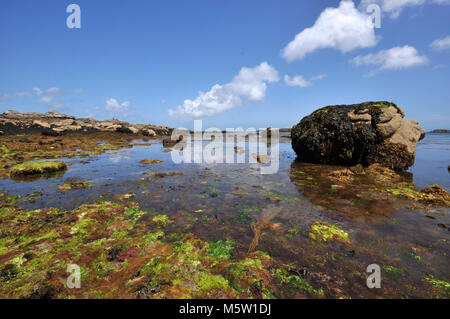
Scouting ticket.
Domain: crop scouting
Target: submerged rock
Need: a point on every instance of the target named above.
(150, 161)
(367, 133)
(321, 231)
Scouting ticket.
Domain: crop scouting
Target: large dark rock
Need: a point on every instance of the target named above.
(366, 133)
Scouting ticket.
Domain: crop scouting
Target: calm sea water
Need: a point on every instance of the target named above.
(115, 167)
(432, 161)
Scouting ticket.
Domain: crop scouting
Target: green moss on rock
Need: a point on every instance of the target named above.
(33, 168)
(324, 232)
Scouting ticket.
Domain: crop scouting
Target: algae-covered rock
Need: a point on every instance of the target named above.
(367, 133)
(37, 168)
(325, 232)
(150, 161)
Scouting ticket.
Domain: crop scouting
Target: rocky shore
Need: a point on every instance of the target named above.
(440, 130)
(54, 123)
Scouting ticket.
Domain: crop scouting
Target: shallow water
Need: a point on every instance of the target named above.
(432, 161)
(219, 201)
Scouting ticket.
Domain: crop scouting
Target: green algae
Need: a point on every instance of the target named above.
(210, 283)
(320, 231)
(295, 281)
(134, 212)
(243, 215)
(222, 249)
(149, 161)
(380, 105)
(152, 237)
(393, 271)
(5, 149)
(162, 220)
(74, 185)
(349, 153)
(442, 287)
(293, 232)
(31, 168)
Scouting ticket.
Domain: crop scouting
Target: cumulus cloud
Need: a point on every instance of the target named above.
(300, 81)
(441, 44)
(343, 28)
(392, 59)
(297, 80)
(248, 86)
(114, 106)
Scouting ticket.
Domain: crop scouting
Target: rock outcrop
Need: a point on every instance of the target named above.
(367, 133)
(54, 123)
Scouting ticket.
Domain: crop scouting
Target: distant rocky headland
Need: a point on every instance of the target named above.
(54, 123)
(440, 130)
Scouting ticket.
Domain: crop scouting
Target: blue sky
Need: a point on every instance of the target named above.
(135, 60)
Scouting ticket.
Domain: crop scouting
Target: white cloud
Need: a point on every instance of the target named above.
(392, 7)
(300, 81)
(114, 106)
(318, 77)
(392, 59)
(38, 91)
(441, 44)
(50, 101)
(52, 90)
(297, 80)
(7, 96)
(248, 86)
(395, 7)
(438, 67)
(47, 96)
(343, 28)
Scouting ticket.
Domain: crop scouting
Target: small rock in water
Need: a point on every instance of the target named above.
(262, 159)
(149, 161)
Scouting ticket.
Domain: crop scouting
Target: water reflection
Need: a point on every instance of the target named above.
(37, 177)
(351, 197)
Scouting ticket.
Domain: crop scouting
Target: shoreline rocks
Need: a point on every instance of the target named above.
(366, 133)
(54, 123)
(440, 130)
